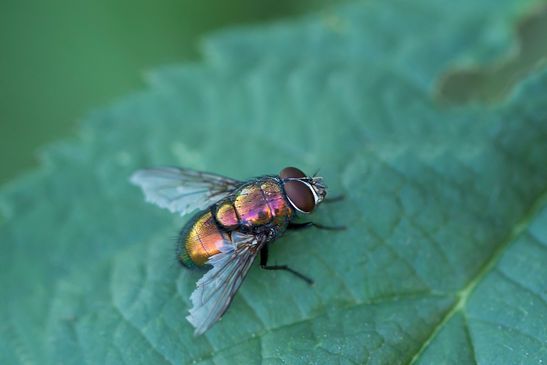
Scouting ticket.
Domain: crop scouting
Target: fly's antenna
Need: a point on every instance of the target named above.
(316, 173)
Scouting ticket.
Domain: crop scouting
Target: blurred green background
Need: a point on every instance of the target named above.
(60, 58)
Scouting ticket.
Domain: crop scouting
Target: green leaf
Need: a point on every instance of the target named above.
(446, 206)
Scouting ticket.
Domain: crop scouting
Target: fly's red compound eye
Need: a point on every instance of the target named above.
(293, 172)
(298, 192)
(300, 195)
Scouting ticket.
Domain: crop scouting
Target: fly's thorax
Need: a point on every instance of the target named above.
(276, 200)
(262, 202)
(200, 239)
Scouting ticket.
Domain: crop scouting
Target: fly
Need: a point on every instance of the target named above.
(237, 220)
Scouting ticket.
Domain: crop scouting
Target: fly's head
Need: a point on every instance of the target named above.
(319, 189)
(303, 192)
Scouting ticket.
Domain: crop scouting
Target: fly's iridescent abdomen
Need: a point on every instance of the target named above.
(255, 206)
(200, 239)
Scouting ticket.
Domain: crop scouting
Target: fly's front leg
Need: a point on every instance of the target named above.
(264, 265)
(296, 226)
(334, 199)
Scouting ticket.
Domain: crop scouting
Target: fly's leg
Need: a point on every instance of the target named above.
(264, 265)
(296, 226)
(334, 199)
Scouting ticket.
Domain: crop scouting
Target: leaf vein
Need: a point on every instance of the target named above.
(489, 264)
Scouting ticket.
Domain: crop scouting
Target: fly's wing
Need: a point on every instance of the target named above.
(182, 190)
(216, 289)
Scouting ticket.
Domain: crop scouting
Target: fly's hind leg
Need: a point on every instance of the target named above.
(265, 266)
(297, 226)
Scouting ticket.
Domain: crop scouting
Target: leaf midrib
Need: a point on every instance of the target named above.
(465, 293)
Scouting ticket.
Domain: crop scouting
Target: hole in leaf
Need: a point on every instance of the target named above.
(490, 83)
